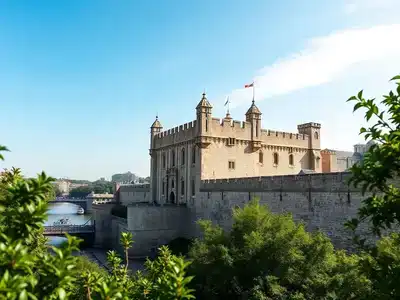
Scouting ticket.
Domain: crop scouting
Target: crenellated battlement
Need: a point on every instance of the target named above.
(309, 124)
(177, 134)
(285, 135)
(318, 182)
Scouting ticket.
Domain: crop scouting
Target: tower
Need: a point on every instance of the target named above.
(203, 119)
(253, 116)
(313, 130)
(155, 128)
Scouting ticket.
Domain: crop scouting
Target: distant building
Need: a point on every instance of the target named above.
(339, 161)
(127, 177)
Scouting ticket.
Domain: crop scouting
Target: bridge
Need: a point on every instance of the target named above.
(70, 229)
(86, 204)
(85, 232)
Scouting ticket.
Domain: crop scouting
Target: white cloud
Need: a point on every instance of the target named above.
(353, 6)
(322, 61)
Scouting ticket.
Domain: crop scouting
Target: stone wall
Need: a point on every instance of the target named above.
(153, 226)
(134, 193)
(101, 214)
(108, 227)
(322, 201)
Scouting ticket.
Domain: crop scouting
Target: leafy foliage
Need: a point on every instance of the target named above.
(378, 175)
(269, 256)
(57, 274)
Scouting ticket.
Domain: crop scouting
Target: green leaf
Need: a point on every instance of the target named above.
(397, 77)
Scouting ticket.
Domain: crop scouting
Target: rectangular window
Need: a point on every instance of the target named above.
(182, 187)
(231, 165)
(163, 188)
(231, 141)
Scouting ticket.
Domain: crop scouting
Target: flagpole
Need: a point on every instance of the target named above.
(254, 87)
(229, 102)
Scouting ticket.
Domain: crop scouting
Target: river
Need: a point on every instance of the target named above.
(64, 210)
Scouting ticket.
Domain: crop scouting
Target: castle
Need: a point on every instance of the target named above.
(203, 169)
(211, 148)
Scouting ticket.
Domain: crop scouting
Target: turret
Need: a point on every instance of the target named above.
(313, 130)
(203, 112)
(253, 116)
(155, 128)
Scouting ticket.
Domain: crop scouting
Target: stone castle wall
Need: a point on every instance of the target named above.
(179, 134)
(134, 193)
(322, 201)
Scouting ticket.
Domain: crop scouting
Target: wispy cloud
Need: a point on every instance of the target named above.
(354, 6)
(322, 60)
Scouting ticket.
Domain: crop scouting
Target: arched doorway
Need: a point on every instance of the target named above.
(172, 197)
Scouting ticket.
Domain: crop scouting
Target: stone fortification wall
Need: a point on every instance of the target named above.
(322, 201)
(153, 226)
(241, 130)
(175, 135)
(134, 193)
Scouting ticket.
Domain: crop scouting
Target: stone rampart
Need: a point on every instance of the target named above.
(319, 182)
(322, 201)
(153, 226)
(134, 193)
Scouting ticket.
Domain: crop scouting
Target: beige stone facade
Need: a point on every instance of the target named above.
(213, 148)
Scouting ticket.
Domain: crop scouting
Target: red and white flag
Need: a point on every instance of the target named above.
(249, 85)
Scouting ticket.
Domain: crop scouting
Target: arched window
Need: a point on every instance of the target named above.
(172, 184)
(316, 135)
(173, 158)
(182, 187)
(291, 160)
(183, 156)
(194, 154)
(193, 188)
(276, 158)
(261, 157)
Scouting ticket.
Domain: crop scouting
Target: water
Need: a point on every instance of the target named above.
(64, 210)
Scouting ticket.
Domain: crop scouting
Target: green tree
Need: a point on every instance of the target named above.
(378, 174)
(80, 192)
(269, 256)
(26, 274)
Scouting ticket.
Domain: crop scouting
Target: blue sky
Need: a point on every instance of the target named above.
(81, 81)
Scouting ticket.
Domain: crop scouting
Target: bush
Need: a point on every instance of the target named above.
(27, 274)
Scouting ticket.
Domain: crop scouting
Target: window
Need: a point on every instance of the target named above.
(261, 157)
(182, 187)
(317, 163)
(231, 141)
(193, 187)
(316, 135)
(276, 158)
(173, 158)
(291, 160)
(172, 184)
(163, 160)
(163, 188)
(183, 156)
(256, 128)
(206, 124)
(194, 154)
(231, 165)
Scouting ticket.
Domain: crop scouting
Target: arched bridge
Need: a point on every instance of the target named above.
(86, 204)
